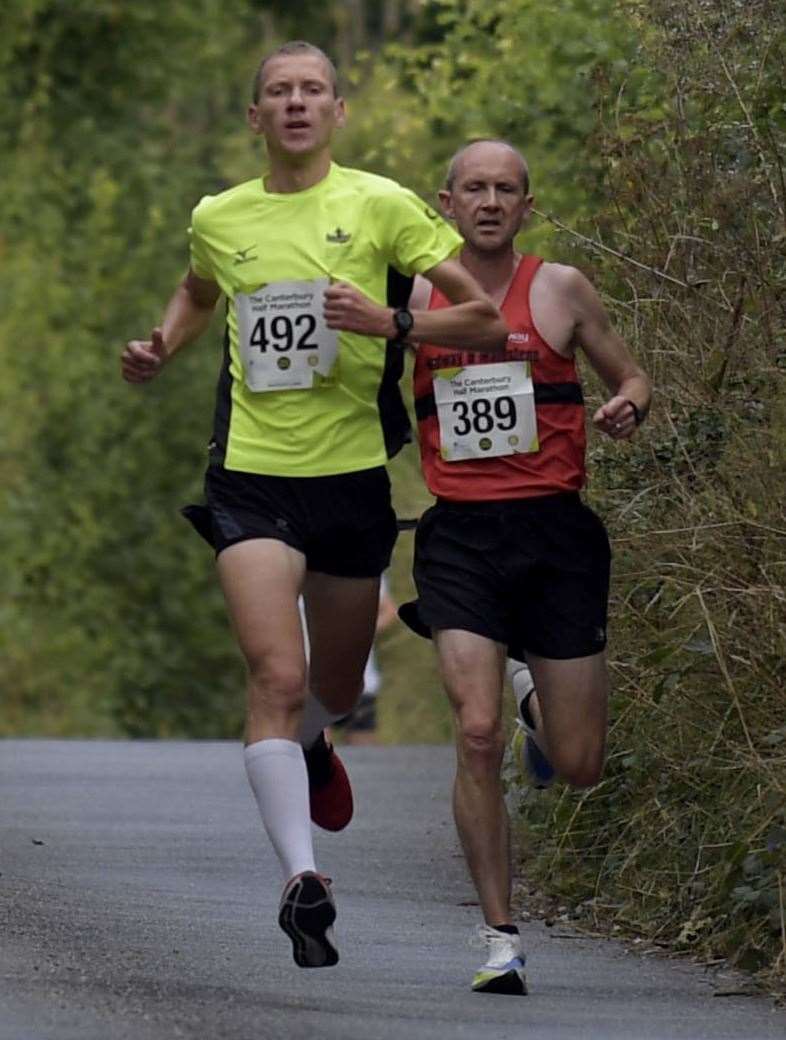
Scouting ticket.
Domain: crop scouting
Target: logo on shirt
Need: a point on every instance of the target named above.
(242, 257)
(339, 235)
(471, 357)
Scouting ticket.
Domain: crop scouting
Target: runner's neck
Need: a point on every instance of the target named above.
(494, 272)
(286, 176)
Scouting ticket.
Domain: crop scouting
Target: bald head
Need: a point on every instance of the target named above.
(485, 148)
(487, 195)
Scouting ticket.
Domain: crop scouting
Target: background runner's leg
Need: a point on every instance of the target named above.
(360, 728)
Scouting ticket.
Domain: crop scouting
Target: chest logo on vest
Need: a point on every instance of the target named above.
(242, 257)
(339, 235)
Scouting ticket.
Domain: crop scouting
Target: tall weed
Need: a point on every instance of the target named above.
(685, 837)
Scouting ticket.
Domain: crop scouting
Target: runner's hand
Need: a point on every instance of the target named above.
(616, 418)
(347, 309)
(142, 359)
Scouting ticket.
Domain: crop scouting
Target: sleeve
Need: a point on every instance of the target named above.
(416, 236)
(198, 249)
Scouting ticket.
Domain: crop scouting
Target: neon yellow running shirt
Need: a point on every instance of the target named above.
(272, 255)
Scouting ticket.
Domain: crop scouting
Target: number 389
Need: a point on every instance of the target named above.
(483, 415)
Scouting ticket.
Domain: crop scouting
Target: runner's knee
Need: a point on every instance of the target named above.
(579, 766)
(482, 741)
(276, 682)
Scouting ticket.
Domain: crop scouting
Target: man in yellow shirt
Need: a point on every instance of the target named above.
(298, 499)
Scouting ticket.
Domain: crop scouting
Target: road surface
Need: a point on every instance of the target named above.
(138, 898)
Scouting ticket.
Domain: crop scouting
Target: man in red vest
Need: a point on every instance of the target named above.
(510, 561)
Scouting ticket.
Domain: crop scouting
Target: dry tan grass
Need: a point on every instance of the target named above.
(684, 841)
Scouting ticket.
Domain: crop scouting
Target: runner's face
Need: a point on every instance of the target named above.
(297, 110)
(487, 199)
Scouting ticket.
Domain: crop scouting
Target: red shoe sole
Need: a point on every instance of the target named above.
(331, 804)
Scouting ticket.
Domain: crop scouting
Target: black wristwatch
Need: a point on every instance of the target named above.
(403, 320)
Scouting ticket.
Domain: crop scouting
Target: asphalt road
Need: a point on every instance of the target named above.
(138, 899)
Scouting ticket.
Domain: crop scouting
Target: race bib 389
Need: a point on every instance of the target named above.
(485, 411)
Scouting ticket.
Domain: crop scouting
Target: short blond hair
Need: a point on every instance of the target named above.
(293, 47)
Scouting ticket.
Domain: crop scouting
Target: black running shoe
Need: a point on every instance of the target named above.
(306, 914)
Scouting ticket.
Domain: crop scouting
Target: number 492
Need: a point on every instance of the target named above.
(282, 333)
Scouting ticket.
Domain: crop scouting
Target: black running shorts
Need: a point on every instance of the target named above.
(344, 524)
(532, 574)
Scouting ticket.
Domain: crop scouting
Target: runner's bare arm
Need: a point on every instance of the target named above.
(186, 317)
(472, 323)
(609, 355)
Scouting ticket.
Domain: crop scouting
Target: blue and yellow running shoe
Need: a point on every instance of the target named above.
(503, 971)
(535, 767)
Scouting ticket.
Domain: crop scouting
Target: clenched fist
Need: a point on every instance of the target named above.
(143, 359)
(348, 310)
(617, 417)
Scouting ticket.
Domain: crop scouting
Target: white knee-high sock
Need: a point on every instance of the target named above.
(277, 773)
(315, 718)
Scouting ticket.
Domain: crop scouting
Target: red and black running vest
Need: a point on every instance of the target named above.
(558, 465)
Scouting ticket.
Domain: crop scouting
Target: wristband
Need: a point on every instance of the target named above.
(638, 418)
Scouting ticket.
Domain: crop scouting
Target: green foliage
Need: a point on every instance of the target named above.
(116, 119)
(523, 71)
(112, 622)
(657, 129)
(684, 836)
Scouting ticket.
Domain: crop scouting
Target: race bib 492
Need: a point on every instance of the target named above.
(282, 335)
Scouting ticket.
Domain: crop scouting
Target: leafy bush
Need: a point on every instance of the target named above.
(685, 835)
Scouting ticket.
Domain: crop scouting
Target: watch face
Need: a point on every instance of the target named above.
(404, 321)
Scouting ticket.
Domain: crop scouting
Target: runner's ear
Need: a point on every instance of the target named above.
(446, 202)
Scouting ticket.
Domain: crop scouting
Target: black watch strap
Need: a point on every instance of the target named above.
(403, 320)
(638, 418)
